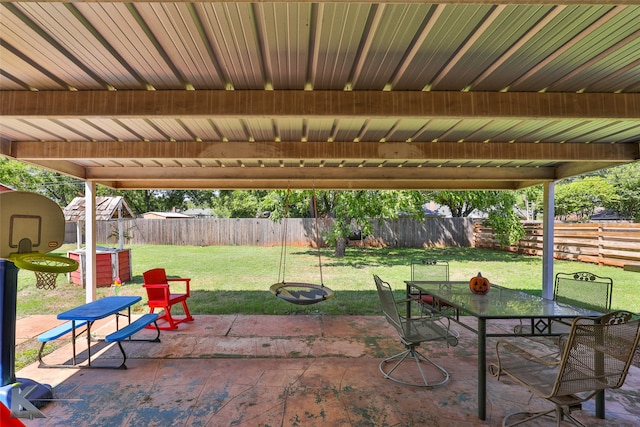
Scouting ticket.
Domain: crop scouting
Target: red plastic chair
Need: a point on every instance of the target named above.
(157, 285)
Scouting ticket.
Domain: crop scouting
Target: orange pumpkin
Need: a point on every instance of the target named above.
(479, 285)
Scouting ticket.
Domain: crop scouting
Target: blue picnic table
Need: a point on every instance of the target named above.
(96, 310)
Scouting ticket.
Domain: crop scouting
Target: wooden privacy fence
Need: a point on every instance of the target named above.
(616, 244)
(402, 232)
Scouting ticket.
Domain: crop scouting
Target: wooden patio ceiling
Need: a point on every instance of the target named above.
(345, 95)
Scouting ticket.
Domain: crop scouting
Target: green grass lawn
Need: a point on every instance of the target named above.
(236, 279)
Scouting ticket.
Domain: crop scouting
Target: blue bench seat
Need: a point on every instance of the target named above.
(126, 333)
(55, 333)
(132, 328)
(60, 331)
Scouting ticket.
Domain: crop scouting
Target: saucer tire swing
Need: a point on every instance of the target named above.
(299, 293)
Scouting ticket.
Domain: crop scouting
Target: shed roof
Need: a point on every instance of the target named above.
(107, 208)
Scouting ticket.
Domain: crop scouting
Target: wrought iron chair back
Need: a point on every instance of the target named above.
(584, 289)
(580, 289)
(389, 305)
(430, 269)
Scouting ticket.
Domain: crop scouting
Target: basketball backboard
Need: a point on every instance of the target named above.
(29, 222)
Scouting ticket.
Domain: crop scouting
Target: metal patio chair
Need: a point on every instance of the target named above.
(595, 356)
(584, 289)
(581, 289)
(428, 269)
(432, 269)
(412, 332)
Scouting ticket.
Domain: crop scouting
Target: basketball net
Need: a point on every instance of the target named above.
(46, 267)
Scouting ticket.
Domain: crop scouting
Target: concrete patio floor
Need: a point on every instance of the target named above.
(237, 370)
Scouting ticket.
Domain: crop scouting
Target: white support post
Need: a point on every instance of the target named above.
(548, 240)
(90, 282)
(79, 230)
(120, 228)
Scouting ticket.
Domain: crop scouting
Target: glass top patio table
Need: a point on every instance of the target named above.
(499, 303)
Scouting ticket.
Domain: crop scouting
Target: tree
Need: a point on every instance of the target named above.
(351, 210)
(530, 201)
(63, 189)
(60, 188)
(17, 175)
(581, 197)
(503, 218)
(361, 208)
(626, 181)
(238, 203)
(498, 205)
(460, 203)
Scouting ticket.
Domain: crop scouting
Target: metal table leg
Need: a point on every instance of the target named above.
(600, 410)
(73, 341)
(482, 368)
(89, 343)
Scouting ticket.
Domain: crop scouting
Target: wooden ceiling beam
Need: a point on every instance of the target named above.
(309, 184)
(492, 151)
(309, 104)
(578, 168)
(60, 166)
(346, 173)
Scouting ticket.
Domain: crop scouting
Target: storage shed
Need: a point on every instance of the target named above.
(110, 262)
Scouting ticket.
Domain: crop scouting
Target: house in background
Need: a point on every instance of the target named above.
(165, 215)
(199, 213)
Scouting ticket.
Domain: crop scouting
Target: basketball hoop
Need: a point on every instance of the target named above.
(46, 267)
